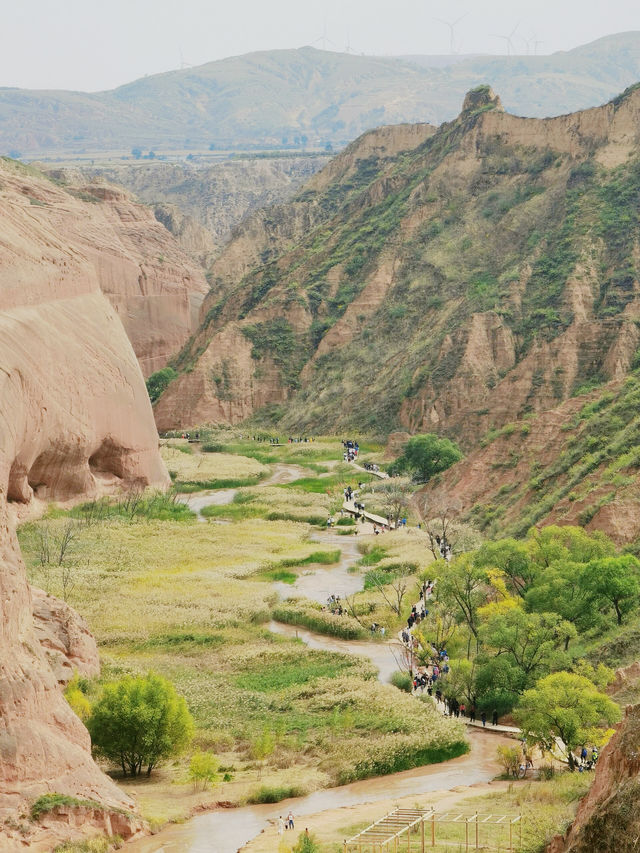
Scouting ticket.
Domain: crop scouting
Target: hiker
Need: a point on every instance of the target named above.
(483, 717)
(472, 713)
(290, 820)
(494, 718)
(280, 825)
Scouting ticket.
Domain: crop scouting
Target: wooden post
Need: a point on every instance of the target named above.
(477, 829)
(422, 835)
(520, 828)
(408, 839)
(395, 844)
(433, 830)
(510, 837)
(466, 835)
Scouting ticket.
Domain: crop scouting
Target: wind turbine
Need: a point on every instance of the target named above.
(347, 47)
(452, 25)
(508, 39)
(184, 64)
(324, 38)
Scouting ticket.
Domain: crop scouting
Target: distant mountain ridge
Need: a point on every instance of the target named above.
(305, 96)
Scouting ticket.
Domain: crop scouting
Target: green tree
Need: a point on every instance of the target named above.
(529, 641)
(203, 770)
(573, 544)
(425, 456)
(567, 711)
(140, 721)
(461, 588)
(159, 381)
(612, 582)
(510, 557)
(559, 588)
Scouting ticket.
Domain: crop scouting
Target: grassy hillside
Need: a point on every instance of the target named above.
(488, 273)
(294, 96)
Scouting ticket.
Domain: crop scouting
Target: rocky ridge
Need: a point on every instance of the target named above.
(217, 197)
(457, 281)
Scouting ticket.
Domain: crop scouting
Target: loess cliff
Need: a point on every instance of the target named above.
(75, 421)
(462, 281)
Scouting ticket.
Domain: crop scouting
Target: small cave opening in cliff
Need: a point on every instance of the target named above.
(18, 488)
(108, 460)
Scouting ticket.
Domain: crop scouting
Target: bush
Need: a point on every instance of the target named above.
(346, 521)
(309, 615)
(274, 794)
(203, 770)
(509, 758)
(140, 721)
(159, 381)
(213, 448)
(306, 844)
(403, 681)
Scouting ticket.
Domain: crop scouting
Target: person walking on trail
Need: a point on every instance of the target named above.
(290, 820)
(483, 717)
(280, 825)
(494, 718)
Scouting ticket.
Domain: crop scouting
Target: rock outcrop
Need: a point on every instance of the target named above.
(75, 420)
(155, 287)
(607, 820)
(64, 636)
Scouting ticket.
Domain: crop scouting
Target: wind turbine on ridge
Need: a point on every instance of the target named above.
(508, 39)
(452, 25)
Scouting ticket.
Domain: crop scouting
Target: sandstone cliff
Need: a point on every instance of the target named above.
(75, 419)
(154, 286)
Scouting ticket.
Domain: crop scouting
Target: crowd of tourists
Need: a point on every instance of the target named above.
(351, 450)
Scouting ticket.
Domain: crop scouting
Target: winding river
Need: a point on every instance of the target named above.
(228, 830)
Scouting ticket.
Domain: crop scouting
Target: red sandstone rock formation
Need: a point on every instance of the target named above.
(64, 636)
(75, 418)
(155, 288)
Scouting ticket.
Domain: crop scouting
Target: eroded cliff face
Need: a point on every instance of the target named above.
(607, 820)
(449, 281)
(75, 420)
(154, 285)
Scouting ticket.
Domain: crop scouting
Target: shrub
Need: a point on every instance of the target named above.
(159, 381)
(402, 680)
(203, 770)
(346, 521)
(509, 758)
(274, 793)
(310, 615)
(139, 721)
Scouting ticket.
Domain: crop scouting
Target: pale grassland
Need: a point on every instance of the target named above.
(188, 600)
(204, 467)
(136, 578)
(272, 502)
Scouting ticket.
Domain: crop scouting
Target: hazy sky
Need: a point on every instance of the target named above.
(98, 44)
